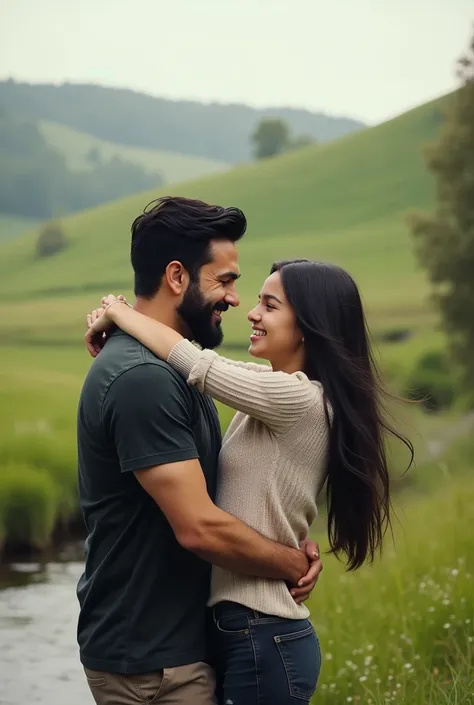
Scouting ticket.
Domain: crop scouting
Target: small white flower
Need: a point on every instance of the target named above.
(454, 572)
(363, 679)
(446, 626)
(349, 698)
(408, 666)
(328, 657)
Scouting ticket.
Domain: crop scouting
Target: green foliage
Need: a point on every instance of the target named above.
(36, 182)
(433, 381)
(51, 240)
(27, 506)
(129, 118)
(271, 137)
(445, 239)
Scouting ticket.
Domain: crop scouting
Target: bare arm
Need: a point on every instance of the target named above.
(199, 526)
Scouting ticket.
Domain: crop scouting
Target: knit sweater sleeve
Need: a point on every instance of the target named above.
(276, 398)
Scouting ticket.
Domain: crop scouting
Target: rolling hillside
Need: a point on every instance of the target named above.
(343, 201)
(173, 166)
(214, 131)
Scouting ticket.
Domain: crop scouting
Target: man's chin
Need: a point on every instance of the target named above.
(210, 341)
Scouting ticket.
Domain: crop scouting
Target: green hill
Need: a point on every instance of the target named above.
(215, 131)
(75, 146)
(343, 201)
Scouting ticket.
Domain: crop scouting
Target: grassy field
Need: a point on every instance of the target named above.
(401, 631)
(174, 167)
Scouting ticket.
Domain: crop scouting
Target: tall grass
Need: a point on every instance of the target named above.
(402, 629)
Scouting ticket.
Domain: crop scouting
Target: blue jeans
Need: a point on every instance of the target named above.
(261, 659)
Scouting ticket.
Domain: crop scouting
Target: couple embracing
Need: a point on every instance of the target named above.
(198, 557)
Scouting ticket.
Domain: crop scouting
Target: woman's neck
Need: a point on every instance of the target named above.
(294, 364)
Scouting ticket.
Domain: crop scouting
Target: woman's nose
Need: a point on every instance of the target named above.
(253, 315)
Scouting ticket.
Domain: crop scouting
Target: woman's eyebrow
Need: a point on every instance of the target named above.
(270, 296)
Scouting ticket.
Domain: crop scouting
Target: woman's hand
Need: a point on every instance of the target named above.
(99, 324)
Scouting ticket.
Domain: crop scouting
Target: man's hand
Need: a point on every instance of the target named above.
(308, 582)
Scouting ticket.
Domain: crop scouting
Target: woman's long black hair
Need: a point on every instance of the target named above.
(329, 312)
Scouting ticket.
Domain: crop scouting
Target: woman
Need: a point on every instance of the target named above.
(314, 416)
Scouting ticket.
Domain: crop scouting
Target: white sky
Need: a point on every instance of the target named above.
(369, 59)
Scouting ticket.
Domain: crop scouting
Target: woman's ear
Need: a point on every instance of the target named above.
(177, 278)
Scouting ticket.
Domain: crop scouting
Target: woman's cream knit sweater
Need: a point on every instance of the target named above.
(272, 463)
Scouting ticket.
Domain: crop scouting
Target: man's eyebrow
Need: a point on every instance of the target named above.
(270, 296)
(229, 275)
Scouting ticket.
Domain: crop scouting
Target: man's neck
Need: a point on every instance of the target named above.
(160, 311)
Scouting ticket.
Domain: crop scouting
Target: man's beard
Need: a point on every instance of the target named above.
(196, 313)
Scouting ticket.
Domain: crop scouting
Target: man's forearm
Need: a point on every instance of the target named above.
(229, 543)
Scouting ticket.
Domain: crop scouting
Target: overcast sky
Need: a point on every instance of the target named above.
(369, 59)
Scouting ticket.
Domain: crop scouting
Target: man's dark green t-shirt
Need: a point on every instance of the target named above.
(142, 596)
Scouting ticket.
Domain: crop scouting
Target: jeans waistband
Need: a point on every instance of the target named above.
(234, 609)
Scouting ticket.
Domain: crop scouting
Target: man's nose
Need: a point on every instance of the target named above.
(232, 298)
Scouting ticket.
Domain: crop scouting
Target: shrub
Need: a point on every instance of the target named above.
(28, 501)
(51, 240)
(433, 382)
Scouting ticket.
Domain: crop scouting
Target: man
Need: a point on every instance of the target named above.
(141, 431)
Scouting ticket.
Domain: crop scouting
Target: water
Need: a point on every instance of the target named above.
(39, 660)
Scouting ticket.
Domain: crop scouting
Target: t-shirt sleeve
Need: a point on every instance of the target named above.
(147, 415)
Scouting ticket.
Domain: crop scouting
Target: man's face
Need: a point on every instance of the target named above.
(205, 300)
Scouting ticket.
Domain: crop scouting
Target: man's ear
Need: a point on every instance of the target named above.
(177, 277)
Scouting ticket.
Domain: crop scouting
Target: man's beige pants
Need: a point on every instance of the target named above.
(184, 685)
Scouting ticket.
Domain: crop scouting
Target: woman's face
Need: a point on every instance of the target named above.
(275, 333)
